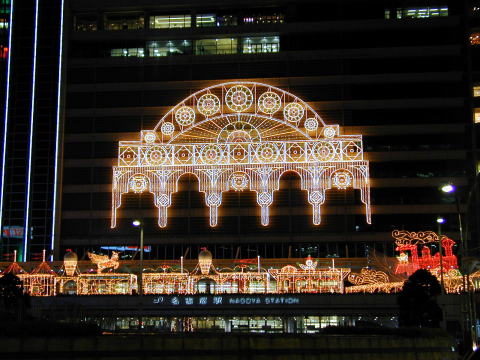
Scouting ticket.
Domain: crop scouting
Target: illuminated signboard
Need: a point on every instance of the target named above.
(240, 136)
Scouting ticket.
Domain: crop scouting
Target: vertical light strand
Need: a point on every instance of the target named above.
(5, 119)
(30, 146)
(57, 135)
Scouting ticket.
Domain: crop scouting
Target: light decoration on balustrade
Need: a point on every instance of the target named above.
(371, 281)
(309, 279)
(240, 136)
(409, 241)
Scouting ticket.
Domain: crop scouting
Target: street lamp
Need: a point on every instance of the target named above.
(451, 189)
(139, 223)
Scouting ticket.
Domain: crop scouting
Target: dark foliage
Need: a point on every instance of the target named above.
(417, 301)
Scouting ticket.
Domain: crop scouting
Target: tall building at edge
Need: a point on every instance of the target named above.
(80, 76)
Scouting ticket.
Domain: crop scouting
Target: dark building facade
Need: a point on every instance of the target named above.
(397, 72)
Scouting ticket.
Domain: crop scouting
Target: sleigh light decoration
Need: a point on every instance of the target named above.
(239, 136)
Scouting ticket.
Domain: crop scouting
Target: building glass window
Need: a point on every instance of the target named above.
(477, 116)
(210, 20)
(206, 20)
(476, 91)
(216, 46)
(135, 52)
(264, 19)
(168, 48)
(170, 21)
(86, 22)
(420, 13)
(124, 21)
(266, 44)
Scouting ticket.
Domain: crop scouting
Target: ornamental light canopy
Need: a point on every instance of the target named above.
(239, 136)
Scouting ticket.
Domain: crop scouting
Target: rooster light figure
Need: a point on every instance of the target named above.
(104, 262)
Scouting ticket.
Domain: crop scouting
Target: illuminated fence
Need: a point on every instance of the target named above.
(239, 136)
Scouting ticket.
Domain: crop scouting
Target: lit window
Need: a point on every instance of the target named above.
(259, 44)
(419, 13)
(216, 46)
(475, 38)
(477, 116)
(3, 24)
(206, 20)
(169, 48)
(170, 21)
(476, 91)
(128, 52)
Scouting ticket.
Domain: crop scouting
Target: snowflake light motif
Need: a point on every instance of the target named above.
(185, 116)
(167, 128)
(269, 102)
(239, 98)
(329, 132)
(156, 155)
(138, 183)
(208, 104)
(293, 112)
(311, 124)
(239, 181)
(342, 179)
(149, 137)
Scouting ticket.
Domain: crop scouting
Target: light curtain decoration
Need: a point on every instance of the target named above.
(239, 136)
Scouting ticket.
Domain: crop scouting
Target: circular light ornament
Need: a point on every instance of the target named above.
(185, 116)
(269, 102)
(149, 137)
(239, 98)
(138, 183)
(239, 181)
(208, 104)
(293, 112)
(156, 155)
(167, 128)
(267, 152)
(311, 124)
(342, 179)
(323, 151)
(329, 132)
(211, 154)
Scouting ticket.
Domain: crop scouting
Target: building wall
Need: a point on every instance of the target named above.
(399, 81)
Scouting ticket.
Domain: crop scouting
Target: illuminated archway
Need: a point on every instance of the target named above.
(240, 135)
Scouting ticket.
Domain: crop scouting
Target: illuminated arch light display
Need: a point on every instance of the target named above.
(240, 136)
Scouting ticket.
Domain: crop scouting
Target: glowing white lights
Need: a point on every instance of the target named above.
(243, 150)
(311, 124)
(208, 104)
(269, 102)
(239, 98)
(167, 128)
(293, 112)
(185, 116)
(329, 132)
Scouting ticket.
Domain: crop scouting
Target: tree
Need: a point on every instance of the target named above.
(418, 301)
(12, 297)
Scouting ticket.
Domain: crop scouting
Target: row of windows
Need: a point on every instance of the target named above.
(136, 20)
(416, 13)
(248, 45)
